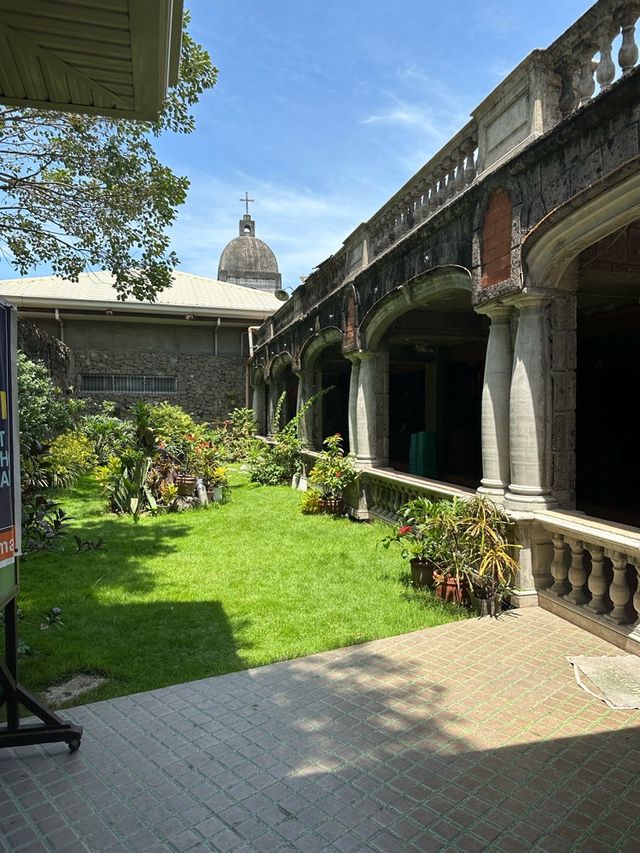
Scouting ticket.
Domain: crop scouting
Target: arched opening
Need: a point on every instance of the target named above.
(608, 362)
(590, 254)
(336, 374)
(325, 367)
(283, 381)
(436, 348)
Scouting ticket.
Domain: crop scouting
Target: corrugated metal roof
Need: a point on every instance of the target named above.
(187, 292)
(113, 57)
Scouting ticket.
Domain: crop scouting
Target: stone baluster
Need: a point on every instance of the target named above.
(459, 182)
(606, 71)
(598, 586)
(450, 166)
(577, 575)
(628, 53)
(586, 83)
(426, 198)
(559, 567)
(441, 174)
(469, 148)
(636, 595)
(619, 591)
(569, 98)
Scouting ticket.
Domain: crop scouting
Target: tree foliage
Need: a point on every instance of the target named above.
(80, 192)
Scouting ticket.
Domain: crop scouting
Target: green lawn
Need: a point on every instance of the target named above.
(180, 597)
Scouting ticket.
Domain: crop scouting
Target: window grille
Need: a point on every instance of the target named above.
(128, 383)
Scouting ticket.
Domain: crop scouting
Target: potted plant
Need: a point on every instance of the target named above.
(217, 482)
(332, 472)
(477, 566)
(418, 540)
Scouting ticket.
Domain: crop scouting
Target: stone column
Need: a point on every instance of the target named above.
(530, 407)
(272, 401)
(372, 409)
(495, 403)
(258, 406)
(310, 426)
(353, 402)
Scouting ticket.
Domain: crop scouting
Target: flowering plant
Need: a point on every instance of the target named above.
(333, 470)
(413, 543)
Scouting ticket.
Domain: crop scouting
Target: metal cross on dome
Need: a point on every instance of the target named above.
(246, 200)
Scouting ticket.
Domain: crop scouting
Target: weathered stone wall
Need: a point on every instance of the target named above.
(39, 345)
(563, 385)
(208, 386)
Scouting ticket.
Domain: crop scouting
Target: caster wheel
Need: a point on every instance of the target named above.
(74, 744)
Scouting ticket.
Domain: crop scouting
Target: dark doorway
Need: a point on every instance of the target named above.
(435, 398)
(460, 450)
(607, 448)
(336, 372)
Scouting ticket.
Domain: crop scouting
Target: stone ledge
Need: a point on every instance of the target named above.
(625, 637)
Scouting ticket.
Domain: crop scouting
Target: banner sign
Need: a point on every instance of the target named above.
(9, 455)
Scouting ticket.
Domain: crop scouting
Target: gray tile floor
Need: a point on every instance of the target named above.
(470, 736)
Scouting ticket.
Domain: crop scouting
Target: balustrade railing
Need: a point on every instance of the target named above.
(600, 47)
(444, 177)
(387, 491)
(595, 568)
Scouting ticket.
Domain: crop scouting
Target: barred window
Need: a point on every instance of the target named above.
(128, 383)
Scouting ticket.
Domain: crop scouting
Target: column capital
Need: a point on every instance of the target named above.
(497, 312)
(360, 355)
(530, 298)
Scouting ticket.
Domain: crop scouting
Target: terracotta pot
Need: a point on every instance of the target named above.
(332, 506)
(447, 589)
(422, 572)
(186, 485)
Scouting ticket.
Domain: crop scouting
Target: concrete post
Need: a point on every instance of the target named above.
(272, 400)
(495, 403)
(530, 408)
(258, 406)
(372, 409)
(310, 426)
(353, 402)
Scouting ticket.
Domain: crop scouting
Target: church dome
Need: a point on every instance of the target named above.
(248, 261)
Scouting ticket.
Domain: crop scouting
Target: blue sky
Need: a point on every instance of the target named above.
(324, 108)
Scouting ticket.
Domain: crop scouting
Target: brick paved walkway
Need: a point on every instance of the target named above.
(469, 736)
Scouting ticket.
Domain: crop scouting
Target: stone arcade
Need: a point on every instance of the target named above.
(493, 305)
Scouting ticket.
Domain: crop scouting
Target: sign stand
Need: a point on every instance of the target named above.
(12, 696)
(52, 728)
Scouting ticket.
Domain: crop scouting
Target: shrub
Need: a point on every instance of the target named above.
(44, 410)
(172, 427)
(44, 523)
(310, 503)
(239, 433)
(109, 434)
(124, 482)
(333, 471)
(70, 455)
(273, 464)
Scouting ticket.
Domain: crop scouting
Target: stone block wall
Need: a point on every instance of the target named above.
(208, 386)
(38, 345)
